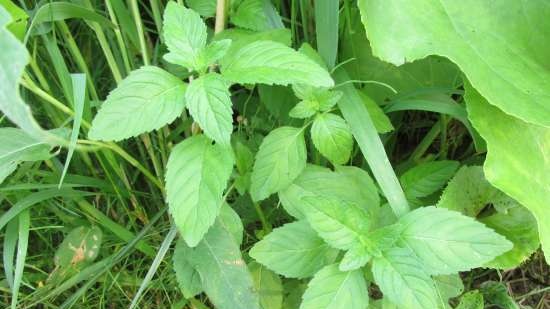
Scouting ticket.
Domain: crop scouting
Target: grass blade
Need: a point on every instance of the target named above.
(156, 263)
(326, 29)
(356, 114)
(8, 253)
(22, 245)
(79, 96)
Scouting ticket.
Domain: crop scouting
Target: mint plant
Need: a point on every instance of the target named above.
(309, 155)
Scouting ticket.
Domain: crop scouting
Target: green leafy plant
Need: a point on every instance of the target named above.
(300, 155)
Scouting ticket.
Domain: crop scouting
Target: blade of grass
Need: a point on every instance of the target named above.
(79, 96)
(35, 198)
(155, 264)
(8, 250)
(55, 11)
(326, 29)
(356, 114)
(141, 34)
(22, 246)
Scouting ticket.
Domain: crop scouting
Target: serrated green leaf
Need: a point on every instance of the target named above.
(208, 100)
(281, 158)
(470, 193)
(13, 60)
(251, 15)
(332, 137)
(339, 223)
(206, 8)
(448, 286)
(508, 69)
(347, 183)
(268, 62)
(312, 54)
(185, 35)
(471, 300)
(402, 279)
(231, 222)
(196, 176)
(447, 241)
(268, 285)
(304, 109)
(426, 178)
(517, 159)
(19, 18)
(224, 275)
(212, 53)
(16, 146)
(293, 250)
(520, 227)
(242, 37)
(380, 120)
(335, 289)
(355, 258)
(146, 100)
(189, 280)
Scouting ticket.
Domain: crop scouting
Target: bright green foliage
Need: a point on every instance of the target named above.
(339, 223)
(517, 159)
(332, 288)
(19, 18)
(268, 62)
(447, 242)
(381, 122)
(470, 193)
(16, 146)
(188, 278)
(293, 250)
(471, 300)
(313, 100)
(429, 72)
(209, 103)
(349, 184)
(251, 15)
(268, 285)
(281, 158)
(196, 177)
(448, 286)
(505, 61)
(185, 35)
(146, 100)
(355, 258)
(519, 226)
(331, 136)
(426, 178)
(212, 53)
(224, 275)
(206, 8)
(403, 280)
(13, 60)
(251, 98)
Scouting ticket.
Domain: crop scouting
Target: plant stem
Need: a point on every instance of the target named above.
(139, 26)
(220, 16)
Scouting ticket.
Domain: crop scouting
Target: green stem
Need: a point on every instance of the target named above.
(139, 26)
(265, 224)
